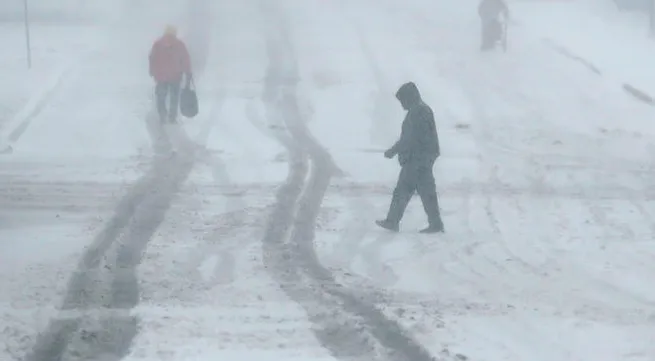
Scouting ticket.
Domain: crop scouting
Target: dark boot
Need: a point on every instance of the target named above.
(427, 190)
(389, 225)
(433, 229)
(435, 224)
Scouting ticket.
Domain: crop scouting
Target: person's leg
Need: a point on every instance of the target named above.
(161, 91)
(483, 36)
(175, 102)
(402, 194)
(427, 190)
(496, 31)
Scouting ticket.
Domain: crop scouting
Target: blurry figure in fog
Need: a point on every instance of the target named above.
(492, 29)
(169, 62)
(417, 150)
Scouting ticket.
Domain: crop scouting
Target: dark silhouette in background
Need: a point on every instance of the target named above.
(492, 28)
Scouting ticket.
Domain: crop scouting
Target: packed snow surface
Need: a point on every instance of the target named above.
(247, 232)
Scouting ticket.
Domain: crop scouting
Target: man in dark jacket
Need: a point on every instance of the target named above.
(417, 150)
(169, 61)
(489, 12)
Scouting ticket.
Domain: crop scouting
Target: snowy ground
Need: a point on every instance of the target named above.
(54, 49)
(616, 43)
(256, 239)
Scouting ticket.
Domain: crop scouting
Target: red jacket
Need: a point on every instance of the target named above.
(169, 59)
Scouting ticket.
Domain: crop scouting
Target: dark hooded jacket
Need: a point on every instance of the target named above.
(490, 10)
(418, 144)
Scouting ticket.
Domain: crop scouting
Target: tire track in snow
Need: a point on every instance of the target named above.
(34, 106)
(646, 215)
(106, 275)
(484, 137)
(352, 246)
(207, 251)
(224, 262)
(103, 282)
(351, 329)
(220, 245)
(629, 89)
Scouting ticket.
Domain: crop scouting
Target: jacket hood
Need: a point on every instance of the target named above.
(408, 95)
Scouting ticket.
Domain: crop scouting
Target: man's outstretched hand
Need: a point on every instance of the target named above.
(389, 153)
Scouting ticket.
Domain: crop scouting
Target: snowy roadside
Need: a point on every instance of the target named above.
(48, 215)
(54, 49)
(73, 167)
(50, 207)
(89, 63)
(450, 291)
(616, 43)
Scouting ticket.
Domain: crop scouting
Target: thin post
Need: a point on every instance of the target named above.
(27, 35)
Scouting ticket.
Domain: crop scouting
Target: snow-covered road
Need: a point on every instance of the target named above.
(256, 239)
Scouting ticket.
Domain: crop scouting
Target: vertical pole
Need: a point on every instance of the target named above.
(27, 35)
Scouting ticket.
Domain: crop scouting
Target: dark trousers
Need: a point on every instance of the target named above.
(491, 32)
(168, 94)
(415, 179)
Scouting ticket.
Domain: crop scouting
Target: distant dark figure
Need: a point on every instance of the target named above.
(169, 61)
(492, 29)
(417, 150)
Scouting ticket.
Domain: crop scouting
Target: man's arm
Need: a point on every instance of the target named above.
(395, 148)
(401, 144)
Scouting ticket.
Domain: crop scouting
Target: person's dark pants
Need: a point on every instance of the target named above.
(491, 32)
(168, 93)
(415, 178)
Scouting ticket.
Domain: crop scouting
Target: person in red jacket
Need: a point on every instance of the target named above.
(169, 62)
